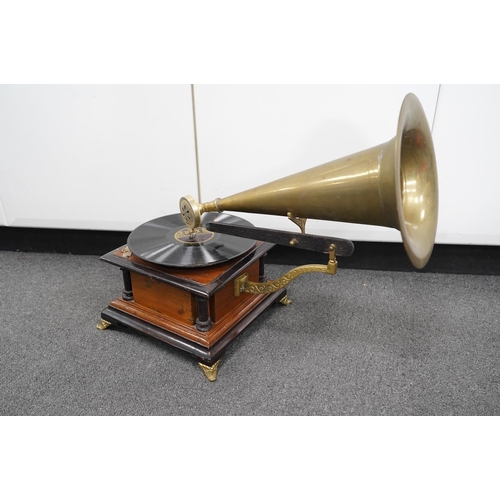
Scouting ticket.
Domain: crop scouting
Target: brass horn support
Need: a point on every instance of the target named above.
(242, 284)
(393, 184)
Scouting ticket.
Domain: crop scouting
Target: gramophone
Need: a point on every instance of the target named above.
(197, 278)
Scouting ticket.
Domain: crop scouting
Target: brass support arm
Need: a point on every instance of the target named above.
(242, 284)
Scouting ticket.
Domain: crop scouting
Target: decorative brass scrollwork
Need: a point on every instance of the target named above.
(243, 285)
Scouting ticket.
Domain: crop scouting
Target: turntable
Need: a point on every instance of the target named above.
(197, 279)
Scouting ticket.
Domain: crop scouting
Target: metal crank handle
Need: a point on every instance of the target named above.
(243, 285)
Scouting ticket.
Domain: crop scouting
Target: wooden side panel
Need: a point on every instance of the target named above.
(163, 298)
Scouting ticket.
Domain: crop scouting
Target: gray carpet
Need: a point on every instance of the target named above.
(358, 343)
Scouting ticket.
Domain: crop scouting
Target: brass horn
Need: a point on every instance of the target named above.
(393, 184)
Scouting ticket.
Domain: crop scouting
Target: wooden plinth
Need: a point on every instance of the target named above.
(192, 309)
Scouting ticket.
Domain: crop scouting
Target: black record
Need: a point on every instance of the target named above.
(168, 242)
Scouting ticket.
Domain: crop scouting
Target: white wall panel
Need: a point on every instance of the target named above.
(467, 136)
(115, 156)
(94, 156)
(249, 135)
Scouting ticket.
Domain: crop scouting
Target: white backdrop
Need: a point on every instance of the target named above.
(94, 156)
(115, 156)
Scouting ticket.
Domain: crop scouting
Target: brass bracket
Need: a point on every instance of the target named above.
(243, 285)
(240, 283)
(300, 221)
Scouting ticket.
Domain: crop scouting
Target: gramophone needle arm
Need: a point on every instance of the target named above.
(344, 248)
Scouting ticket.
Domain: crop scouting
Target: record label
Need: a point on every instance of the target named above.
(193, 236)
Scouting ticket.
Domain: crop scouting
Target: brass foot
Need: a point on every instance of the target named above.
(285, 301)
(103, 324)
(210, 371)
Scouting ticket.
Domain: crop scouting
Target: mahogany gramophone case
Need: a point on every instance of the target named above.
(183, 294)
(197, 279)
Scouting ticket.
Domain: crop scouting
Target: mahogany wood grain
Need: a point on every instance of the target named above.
(163, 298)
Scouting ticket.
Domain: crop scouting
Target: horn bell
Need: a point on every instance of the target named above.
(393, 184)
